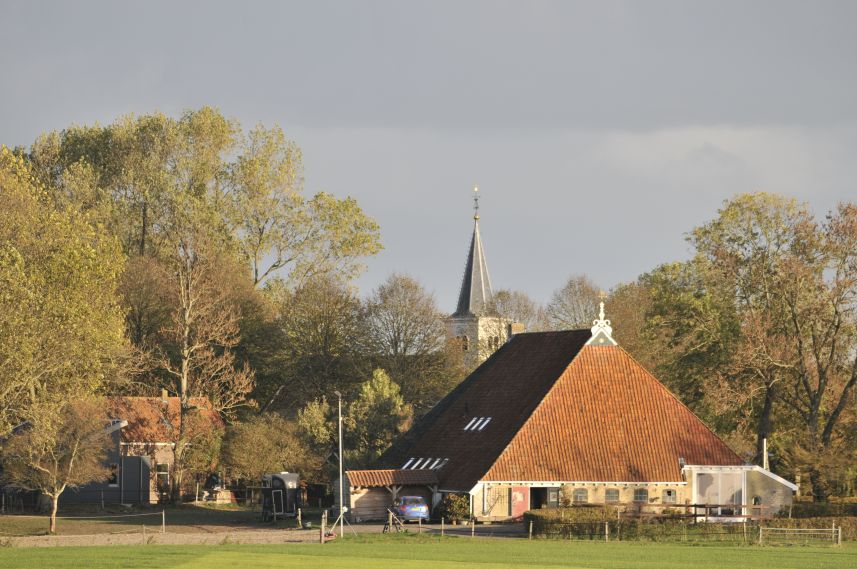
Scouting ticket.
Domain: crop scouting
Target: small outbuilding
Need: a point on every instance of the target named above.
(368, 493)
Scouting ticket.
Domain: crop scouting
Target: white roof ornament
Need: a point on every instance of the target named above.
(602, 332)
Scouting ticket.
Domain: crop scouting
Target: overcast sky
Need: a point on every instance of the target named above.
(599, 132)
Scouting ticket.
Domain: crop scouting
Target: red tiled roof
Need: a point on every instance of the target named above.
(155, 420)
(560, 411)
(369, 478)
(608, 419)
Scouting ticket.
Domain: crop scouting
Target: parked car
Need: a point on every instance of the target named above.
(411, 508)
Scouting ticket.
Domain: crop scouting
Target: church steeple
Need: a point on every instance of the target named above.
(476, 295)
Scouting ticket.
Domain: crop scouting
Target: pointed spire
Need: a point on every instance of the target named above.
(602, 332)
(476, 295)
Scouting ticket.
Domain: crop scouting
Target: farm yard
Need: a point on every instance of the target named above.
(405, 551)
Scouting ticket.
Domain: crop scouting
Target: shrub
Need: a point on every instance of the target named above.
(848, 524)
(821, 510)
(454, 507)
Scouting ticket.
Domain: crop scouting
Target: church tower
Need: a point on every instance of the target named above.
(475, 324)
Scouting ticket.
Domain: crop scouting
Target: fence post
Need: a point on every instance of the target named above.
(606, 531)
(321, 529)
(300, 521)
(839, 540)
(760, 534)
(531, 530)
(163, 521)
(472, 527)
(420, 524)
(144, 534)
(441, 526)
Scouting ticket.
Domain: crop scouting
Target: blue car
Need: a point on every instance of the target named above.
(411, 508)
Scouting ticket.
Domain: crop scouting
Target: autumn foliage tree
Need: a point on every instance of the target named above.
(64, 446)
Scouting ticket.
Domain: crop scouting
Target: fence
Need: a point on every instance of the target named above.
(20, 526)
(800, 536)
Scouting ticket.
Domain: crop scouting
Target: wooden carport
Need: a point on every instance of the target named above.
(370, 492)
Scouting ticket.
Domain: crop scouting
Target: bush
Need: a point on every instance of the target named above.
(454, 507)
(580, 522)
(821, 510)
(848, 524)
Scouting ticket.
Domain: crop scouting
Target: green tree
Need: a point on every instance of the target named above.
(376, 416)
(60, 324)
(323, 344)
(267, 443)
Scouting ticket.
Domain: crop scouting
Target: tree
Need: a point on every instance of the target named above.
(374, 419)
(63, 447)
(197, 354)
(135, 167)
(768, 305)
(574, 305)
(406, 336)
(278, 228)
(266, 443)
(517, 306)
(323, 343)
(60, 325)
(375, 416)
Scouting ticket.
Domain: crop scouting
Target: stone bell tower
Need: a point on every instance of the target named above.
(475, 324)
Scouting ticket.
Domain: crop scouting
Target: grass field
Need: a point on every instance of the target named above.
(188, 518)
(405, 552)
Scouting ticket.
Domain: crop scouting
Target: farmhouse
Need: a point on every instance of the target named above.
(141, 458)
(556, 417)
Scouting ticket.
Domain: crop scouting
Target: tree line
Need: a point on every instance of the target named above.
(184, 254)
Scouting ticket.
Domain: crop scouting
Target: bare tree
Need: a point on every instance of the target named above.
(517, 306)
(61, 447)
(574, 305)
(199, 360)
(405, 331)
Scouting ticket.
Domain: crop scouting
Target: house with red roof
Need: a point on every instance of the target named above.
(144, 431)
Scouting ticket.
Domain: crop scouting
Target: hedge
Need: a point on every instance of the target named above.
(592, 522)
(822, 509)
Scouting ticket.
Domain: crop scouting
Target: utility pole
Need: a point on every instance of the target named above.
(341, 496)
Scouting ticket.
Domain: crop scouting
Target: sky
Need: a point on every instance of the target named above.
(599, 133)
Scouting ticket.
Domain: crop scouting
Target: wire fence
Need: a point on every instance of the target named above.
(26, 525)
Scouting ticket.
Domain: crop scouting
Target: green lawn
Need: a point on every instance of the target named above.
(405, 552)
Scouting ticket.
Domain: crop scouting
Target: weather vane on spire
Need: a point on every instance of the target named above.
(476, 202)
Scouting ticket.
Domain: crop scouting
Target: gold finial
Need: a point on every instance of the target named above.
(476, 203)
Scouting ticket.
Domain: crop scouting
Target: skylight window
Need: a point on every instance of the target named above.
(477, 423)
(425, 463)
